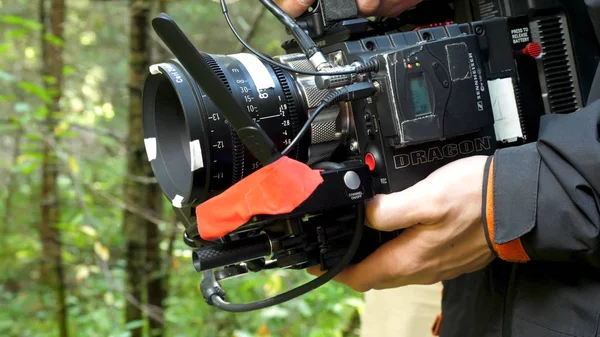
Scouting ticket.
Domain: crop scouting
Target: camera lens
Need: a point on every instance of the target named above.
(173, 135)
(194, 152)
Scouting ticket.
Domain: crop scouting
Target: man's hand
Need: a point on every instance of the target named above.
(366, 7)
(443, 235)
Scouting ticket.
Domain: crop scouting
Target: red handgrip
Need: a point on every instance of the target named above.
(277, 188)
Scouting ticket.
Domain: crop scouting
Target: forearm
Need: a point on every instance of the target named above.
(542, 200)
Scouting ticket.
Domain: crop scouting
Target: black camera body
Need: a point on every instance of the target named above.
(434, 104)
(443, 91)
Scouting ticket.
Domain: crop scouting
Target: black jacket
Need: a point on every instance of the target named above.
(542, 218)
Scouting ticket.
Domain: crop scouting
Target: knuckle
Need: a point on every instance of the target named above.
(304, 3)
(368, 6)
(375, 215)
(360, 288)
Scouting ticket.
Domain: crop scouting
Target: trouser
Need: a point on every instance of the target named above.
(402, 312)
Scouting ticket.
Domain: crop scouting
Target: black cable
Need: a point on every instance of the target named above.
(217, 300)
(345, 94)
(304, 129)
(308, 46)
(371, 66)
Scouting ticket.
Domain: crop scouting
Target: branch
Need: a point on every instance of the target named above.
(120, 138)
(254, 27)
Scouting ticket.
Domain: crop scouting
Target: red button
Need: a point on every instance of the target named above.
(370, 161)
(532, 49)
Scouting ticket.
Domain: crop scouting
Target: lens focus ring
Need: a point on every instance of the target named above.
(177, 114)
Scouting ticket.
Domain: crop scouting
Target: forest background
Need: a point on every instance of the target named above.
(88, 244)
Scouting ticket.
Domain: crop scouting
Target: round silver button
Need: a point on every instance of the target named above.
(352, 180)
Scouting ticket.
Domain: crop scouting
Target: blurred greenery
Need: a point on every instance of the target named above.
(90, 142)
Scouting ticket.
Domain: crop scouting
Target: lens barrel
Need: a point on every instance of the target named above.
(194, 152)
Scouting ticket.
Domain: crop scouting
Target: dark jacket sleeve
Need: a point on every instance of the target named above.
(542, 200)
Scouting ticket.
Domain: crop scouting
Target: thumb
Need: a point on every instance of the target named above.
(294, 8)
(419, 204)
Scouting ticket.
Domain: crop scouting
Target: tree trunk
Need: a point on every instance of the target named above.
(143, 196)
(157, 269)
(12, 182)
(52, 273)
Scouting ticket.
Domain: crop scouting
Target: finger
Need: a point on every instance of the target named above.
(315, 270)
(392, 8)
(294, 8)
(418, 204)
(368, 7)
(383, 266)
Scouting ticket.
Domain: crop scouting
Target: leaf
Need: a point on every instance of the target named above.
(6, 76)
(49, 79)
(34, 137)
(68, 70)
(35, 89)
(134, 324)
(304, 308)
(21, 107)
(122, 334)
(73, 165)
(263, 330)
(27, 168)
(274, 312)
(83, 272)
(27, 162)
(53, 39)
(89, 231)
(33, 155)
(67, 134)
(15, 33)
(357, 303)
(109, 298)
(274, 285)
(61, 127)
(6, 98)
(20, 21)
(101, 251)
(239, 333)
(4, 47)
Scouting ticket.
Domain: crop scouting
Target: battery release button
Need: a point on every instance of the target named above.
(370, 161)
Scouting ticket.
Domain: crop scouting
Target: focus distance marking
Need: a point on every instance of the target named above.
(506, 114)
(196, 155)
(257, 70)
(150, 144)
(177, 201)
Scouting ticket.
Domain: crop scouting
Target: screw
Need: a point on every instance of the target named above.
(354, 146)
(338, 59)
(445, 84)
(435, 65)
(377, 86)
(478, 30)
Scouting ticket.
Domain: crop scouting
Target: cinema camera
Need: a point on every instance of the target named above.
(373, 104)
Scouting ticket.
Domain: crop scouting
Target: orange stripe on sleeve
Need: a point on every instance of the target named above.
(512, 251)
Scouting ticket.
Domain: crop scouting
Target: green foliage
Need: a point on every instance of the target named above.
(90, 131)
